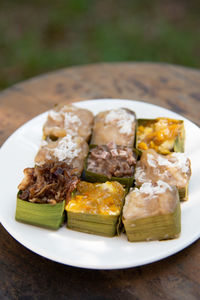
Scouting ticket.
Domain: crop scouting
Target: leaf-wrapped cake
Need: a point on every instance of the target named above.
(116, 125)
(68, 119)
(164, 135)
(174, 168)
(96, 207)
(152, 212)
(43, 194)
(70, 149)
(110, 162)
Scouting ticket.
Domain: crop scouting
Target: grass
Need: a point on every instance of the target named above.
(43, 35)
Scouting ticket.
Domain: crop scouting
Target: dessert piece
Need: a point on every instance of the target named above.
(162, 134)
(68, 120)
(110, 162)
(95, 208)
(70, 149)
(173, 168)
(116, 125)
(152, 212)
(43, 194)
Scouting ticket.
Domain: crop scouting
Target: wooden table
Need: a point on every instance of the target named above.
(25, 275)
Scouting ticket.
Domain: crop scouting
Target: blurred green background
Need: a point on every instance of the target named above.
(37, 36)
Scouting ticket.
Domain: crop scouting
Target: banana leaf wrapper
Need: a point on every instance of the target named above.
(93, 224)
(179, 143)
(95, 177)
(98, 224)
(158, 227)
(42, 215)
(183, 193)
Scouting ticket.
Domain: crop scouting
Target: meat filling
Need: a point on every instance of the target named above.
(51, 183)
(112, 161)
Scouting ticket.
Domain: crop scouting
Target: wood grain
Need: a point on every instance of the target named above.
(25, 275)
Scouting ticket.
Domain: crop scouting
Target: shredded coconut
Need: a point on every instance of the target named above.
(151, 160)
(66, 148)
(152, 190)
(71, 118)
(123, 118)
(56, 116)
(140, 174)
(174, 160)
(177, 160)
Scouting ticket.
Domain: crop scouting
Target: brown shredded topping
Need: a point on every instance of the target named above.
(112, 160)
(51, 183)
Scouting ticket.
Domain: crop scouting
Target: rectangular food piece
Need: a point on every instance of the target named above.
(95, 208)
(164, 135)
(66, 119)
(111, 162)
(174, 168)
(42, 215)
(152, 212)
(116, 125)
(43, 194)
(70, 149)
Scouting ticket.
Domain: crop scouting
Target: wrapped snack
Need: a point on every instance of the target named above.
(68, 120)
(174, 168)
(162, 134)
(110, 162)
(152, 212)
(96, 208)
(70, 149)
(43, 194)
(116, 125)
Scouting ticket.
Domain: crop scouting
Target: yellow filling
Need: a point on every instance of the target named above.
(97, 198)
(159, 135)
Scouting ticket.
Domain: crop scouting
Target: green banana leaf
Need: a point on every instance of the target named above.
(93, 224)
(158, 227)
(42, 215)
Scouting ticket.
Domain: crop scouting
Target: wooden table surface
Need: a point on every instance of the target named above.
(25, 275)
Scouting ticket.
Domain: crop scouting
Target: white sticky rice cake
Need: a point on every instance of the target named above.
(116, 125)
(68, 119)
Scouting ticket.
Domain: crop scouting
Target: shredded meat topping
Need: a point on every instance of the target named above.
(51, 183)
(112, 160)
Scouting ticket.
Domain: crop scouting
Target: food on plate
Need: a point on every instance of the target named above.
(110, 166)
(43, 194)
(162, 134)
(70, 149)
(152, 212)
(95, 207)
(115, 125)
(111, 162)
(174, 168)
(67, 119)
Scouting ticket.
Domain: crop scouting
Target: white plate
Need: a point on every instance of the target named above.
(80, 249)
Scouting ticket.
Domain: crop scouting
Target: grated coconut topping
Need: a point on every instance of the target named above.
(123, 118)
(152, 190)
(66, 149)
(175, 160)
(56, 116)
(70, 119)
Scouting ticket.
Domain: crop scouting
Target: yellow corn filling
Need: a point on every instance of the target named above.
(159, 134)
(97, 198)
